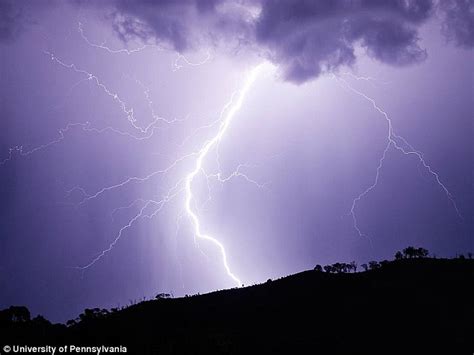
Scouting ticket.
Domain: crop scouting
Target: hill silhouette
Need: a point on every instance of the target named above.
(410, 305)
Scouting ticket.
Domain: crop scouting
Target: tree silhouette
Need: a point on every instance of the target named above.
(373, 265)
(412, 252)
(318, 268)
(40, 321)
(409, 252)
(398, 255)
(421, 252)
(353, 266)
(15, 314)
(92, 314)
(338, 267)
(328, 268)
(365, 267)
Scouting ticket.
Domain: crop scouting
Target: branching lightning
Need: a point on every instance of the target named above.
(399, 143)
(128, 111)
(198, 168)
(229, 112)
(149, 208)
(108, 49)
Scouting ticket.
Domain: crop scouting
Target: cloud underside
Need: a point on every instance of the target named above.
(458, 21)
(304, 38)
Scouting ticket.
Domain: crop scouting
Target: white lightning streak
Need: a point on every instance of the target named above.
(198, 168)
(181, 57)
(392, 140)
(226, 116)
(108, 49)
(115, 96)
(185, 183)
(172, 193)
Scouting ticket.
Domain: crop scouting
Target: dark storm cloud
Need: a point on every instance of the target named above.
(458, 22)
(307, 38)
(304, 38)
(183, 25)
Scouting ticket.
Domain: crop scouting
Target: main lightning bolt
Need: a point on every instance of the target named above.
(185, 183)
(202, 154)
(151, 207)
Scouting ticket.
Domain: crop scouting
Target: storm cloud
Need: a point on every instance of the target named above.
(304, 38)
(458, 23)
(307, 38)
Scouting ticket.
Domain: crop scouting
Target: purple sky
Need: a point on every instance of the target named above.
(97, 101)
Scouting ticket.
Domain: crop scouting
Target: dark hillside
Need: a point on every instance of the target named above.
(410, 305)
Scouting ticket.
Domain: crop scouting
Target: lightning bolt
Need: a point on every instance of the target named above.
(103, 45)
(229, 109)
(400, 144)
(149, 208)
(198, 168)
(185, 184)
(181, 58)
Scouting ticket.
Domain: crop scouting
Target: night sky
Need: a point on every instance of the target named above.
(122, 121)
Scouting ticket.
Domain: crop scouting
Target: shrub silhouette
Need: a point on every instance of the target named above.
(15, 314)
